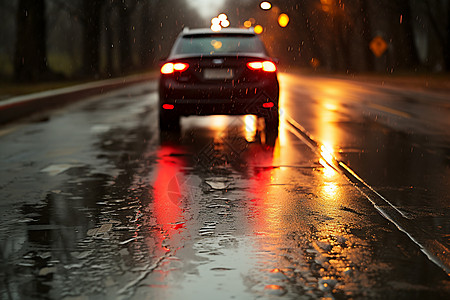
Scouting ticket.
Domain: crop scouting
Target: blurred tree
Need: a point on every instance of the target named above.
(125, 30)
(446, 47)
(136, 33)
(8, 12)
(335, 34)
(365, 32)
(402, 35)
(91, 14)
(438, 13)
(446, 43)
(30, 60)
(169, 18)
(113, 37)
(109, 42)
(146, 40)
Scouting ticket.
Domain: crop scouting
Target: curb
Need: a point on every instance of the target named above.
(22, 106)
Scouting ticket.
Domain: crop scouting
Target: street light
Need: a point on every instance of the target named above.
(258, 29)
(222, 17)
(215, 21)
(216, 27)
(265, 5)
(219, 22)
(283, 20)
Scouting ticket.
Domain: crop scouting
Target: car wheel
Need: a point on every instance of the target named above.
(169, 122)
(272, 122)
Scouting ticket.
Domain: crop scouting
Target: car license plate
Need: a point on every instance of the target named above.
(218, 73)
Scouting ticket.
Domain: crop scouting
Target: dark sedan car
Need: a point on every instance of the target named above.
(218, 73)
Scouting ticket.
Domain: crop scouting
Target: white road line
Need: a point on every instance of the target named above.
(439, 256)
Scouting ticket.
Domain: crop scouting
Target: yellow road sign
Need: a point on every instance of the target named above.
(378, 46)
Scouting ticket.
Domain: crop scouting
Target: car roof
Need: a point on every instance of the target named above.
(207, 31)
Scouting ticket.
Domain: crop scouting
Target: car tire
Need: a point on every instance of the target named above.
(271, 129)
(272, 121)
(169, 122)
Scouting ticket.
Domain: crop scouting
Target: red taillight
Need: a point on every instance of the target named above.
(255, 65)
(168, 106)
(169, 68)
(180, 67)
(268, 105)
(266, 66)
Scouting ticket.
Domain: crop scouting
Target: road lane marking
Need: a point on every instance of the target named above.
(390, 110)
(433, 249)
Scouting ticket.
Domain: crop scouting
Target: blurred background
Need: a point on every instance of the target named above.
(43, 40)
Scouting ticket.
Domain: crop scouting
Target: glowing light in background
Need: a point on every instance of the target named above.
(225, 23)
(265, 5)
(216, 27)
(215, 24)
(283, 20)
(216, 44)
(222, 17)
(327, 5)
(215, 21)
(247, 24)
(219, 22)
(224, 20)
(258, 29)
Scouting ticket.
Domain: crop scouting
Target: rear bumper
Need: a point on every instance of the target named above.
(187, 107)
(220, 99)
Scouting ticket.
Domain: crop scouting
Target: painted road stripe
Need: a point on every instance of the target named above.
(433, 249)
(390, 110)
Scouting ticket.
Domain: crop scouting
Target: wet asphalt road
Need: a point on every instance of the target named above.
(97, 204)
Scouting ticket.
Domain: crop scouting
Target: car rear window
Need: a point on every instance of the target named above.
(219, 44)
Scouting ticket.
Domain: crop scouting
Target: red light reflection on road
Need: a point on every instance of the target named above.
(263, 208)
(169, 193)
